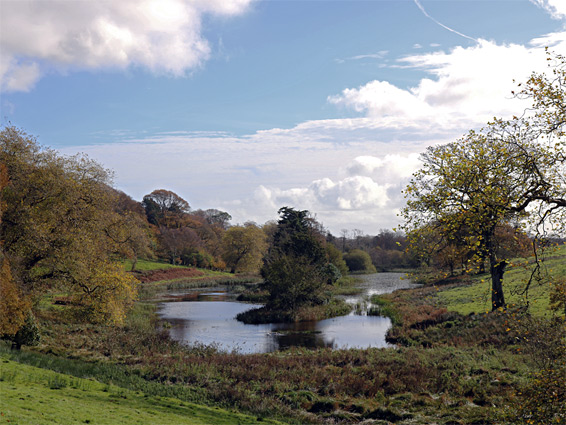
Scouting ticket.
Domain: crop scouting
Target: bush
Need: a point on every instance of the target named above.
(332, 273)
(543, 398)
(200, 259)
(28, 334)
(359, 261)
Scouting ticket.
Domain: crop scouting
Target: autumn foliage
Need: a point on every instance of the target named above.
(61, 230)
(14, 306)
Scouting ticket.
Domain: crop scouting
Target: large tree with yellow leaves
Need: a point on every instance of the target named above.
(58, 227)
(510, 173)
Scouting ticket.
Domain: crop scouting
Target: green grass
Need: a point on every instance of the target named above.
(347, 285)
(476, 297)
(384, 307)
(147, 265)
(31, 395)
(209, 280)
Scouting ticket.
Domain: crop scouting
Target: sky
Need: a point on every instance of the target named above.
(248, 106)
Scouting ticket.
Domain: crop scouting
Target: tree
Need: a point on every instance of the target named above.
(106, 293)
(294, 265)
(165, 208)
(128, 228)
(336, 258)
(358, 260)
(215, 217)
(56, 216)
(14, 306)
(510, 173)
(244, 247)
(178, 243)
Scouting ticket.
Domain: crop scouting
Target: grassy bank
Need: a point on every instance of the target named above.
(32, 395)
(463, 385)
(148, 265)
(457, 310)
(456, 313)
(475, 295)
(349, 386)
(449, 368)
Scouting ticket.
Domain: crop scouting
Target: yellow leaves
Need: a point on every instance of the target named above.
(14, 306)
(108, 293)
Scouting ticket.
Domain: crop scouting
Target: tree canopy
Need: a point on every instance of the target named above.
(244, 248)
(511, 173)
(59, 226)
(165, 208)
(294, 265)
(358, 260)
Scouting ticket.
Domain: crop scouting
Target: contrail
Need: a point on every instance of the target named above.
(420, 6)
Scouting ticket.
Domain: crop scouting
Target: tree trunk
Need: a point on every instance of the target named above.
(497, 268)
(134, 263)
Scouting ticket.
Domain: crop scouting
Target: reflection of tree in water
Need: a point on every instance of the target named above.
(207, 317)
(301, 334)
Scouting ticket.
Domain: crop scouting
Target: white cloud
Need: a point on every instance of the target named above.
(466, 87)
(370, 191)
(350, 172)
(556, 8)
(556, 41)
(16, 76)
(391, 166)
(163, 36)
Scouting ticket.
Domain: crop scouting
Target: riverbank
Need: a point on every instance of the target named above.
(262, 315)
(405, 385)
(448, 370)
(38, 395)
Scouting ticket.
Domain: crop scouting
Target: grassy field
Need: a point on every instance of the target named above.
(476, 297)
(30, 395)
(146, 265)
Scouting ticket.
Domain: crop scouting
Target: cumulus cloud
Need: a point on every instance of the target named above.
(351, 193)
(369, 191)
(161, 35)
(465, 87)
(556, 8)
(391, 166)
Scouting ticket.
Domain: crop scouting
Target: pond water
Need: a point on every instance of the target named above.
(208, 318)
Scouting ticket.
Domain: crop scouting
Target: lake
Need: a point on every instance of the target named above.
(207, 318)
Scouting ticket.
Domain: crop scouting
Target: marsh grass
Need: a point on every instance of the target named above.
(347, 285)
(411, 384)
(150, 290)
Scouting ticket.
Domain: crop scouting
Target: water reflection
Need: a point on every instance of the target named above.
(208, 318)
(212, 323)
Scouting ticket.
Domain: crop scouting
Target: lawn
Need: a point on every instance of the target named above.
(147, 265)
(30, 395)
(476, 297)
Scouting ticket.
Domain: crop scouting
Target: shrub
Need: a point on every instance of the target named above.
(28, 334)
(359, 261)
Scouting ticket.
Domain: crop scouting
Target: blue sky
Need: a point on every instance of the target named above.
(248, 106)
